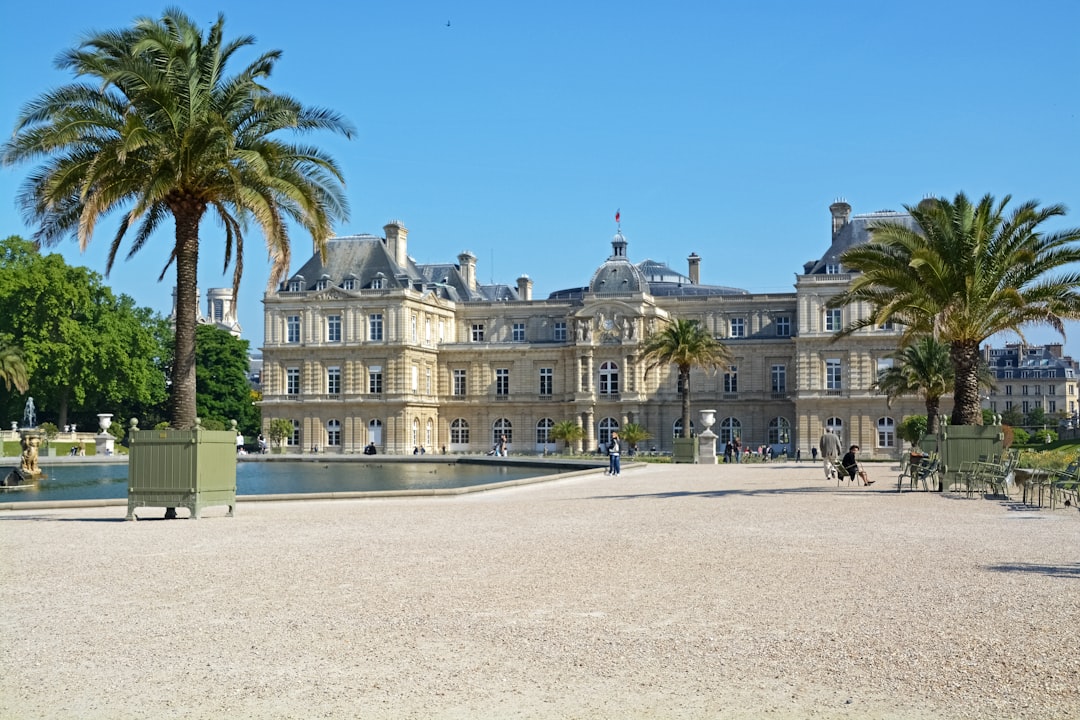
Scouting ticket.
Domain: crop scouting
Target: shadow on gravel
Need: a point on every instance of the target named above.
(719, 493)
(53, 518)
(1064, 571)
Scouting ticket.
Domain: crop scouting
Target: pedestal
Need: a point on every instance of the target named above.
(104, 444)
(707, 448)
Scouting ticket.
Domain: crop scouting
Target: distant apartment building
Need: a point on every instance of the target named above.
(1033, 376)
(370, 346)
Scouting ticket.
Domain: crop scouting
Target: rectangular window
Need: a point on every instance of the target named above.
(375, 326)
(460, 383)
(333, 328)
(832, 269)
(333, 381)
(478, 332)
(1008, 404)
(1008, 389)
(1026, 407)
(296, 286)
(887, 325)
(442, 330)
(219, 310)
(779, 379)
(295, 439)
(560, 331)
(427, 380)
(427, 330)
(1038, 389)
(377, 283)
(833, 379)
(783, 326)
(547, 380)
(1024, 390)
(519, 332)
(348, 284)
(292, 324)
(415, 378)
(833, 320)
(1052, 405)
(738, 327)
(731, 380)
(502, 382)
(292, 381)
(1051, 389)
(413, 329)
(375, 380)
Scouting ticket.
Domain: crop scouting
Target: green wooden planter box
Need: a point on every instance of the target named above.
(957, 444)
(685, 450)
(182, 468)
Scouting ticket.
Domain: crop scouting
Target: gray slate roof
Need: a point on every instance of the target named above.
(855, 232)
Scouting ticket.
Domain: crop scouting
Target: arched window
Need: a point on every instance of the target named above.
(607, 426)
(429, 434)
(609, 378)
(779, 431)
(730, 428)
(416, 432)
(837, 426)
(543, 431)
(676, 429)
(459, 432)
(375, 432)
(499, 428)
(886, 432)
(333, 433)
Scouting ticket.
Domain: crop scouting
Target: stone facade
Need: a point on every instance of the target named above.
(369, 346)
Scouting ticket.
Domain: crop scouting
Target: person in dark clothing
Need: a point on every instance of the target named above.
(613, 450)
(852, 466)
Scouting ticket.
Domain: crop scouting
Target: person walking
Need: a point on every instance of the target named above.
(613, 454)
(829, 444)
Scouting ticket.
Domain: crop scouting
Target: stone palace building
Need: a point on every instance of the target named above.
(369, 346)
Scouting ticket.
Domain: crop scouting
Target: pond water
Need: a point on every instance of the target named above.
(103, 482)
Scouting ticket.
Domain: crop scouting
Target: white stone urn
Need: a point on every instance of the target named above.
(105, 421)
(707, 439)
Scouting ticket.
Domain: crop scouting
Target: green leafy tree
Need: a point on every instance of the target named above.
(967, 272)
(279, 430)
(1036, 416)
(223, 390)
(1012, 416)
(633, 433)
(159, 129)
(86, 350)
(913, 429)
(568, 431)
(684, 344)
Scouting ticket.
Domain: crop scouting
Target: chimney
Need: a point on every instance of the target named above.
(695, 268)
(467, 266)
(396, 236)
(841, 211)
(524, 288)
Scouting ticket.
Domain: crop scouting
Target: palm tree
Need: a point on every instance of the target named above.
(13, 369)
(684, 344)
(160, 129)
(924, 369)
(567, 431)
(633, 433)
(967, 272)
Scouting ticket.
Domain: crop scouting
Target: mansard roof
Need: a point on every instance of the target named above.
(855, 231)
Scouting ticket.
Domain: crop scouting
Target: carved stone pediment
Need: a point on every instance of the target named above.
(333, 293)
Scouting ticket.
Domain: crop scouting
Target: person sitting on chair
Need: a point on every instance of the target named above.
(852, 466)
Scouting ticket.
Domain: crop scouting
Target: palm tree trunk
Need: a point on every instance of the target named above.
(933, 407)
(965, 358)
(182, 393)
(684, 381)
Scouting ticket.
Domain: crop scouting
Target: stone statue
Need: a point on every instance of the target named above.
(29, 416)
(29, 464)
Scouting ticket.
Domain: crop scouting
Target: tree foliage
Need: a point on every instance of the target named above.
(279, 430)
(568, 431)
(159, 129)
(686, 345)
(223, 390)
(966, 272)
(633, 433)
(86, 350)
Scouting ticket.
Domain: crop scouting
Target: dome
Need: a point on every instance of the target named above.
(618, 274)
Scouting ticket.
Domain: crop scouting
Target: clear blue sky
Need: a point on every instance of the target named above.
(721, 128)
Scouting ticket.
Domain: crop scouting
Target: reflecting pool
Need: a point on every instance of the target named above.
(104, 482)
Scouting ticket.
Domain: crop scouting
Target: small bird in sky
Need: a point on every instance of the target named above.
(447, 23)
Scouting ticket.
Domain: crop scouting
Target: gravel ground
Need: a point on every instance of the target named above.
(669, 592)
